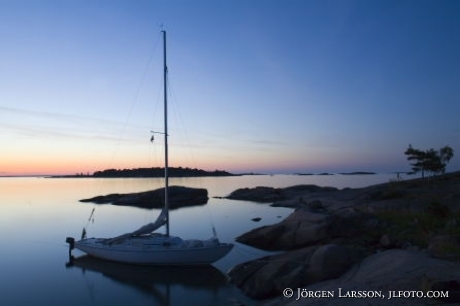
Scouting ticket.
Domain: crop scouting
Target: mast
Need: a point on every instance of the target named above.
(165, 72)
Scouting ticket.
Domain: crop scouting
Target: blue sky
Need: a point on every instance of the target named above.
(256, 86)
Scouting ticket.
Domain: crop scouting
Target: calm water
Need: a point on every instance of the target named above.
(37, 214)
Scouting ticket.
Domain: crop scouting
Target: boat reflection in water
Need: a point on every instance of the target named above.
(165, 284)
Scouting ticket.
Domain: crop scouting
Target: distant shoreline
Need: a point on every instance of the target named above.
(147, 173)
(342, 173)
(138, 173)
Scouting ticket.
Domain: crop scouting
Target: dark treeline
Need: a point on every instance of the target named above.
(159, 172)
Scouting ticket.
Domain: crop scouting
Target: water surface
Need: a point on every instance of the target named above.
(37, 214)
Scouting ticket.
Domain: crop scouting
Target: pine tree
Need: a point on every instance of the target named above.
(431, 161)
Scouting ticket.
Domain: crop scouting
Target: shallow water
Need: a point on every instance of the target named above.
(37, 214)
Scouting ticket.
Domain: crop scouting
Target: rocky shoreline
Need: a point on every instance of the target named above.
(401, 235)
(179, 196)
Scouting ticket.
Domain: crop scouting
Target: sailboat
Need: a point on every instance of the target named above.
(146, 247)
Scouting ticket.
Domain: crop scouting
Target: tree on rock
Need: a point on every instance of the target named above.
(431, 161)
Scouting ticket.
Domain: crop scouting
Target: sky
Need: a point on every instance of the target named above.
(272, 86)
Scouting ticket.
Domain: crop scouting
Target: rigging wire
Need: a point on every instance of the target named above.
(136, 96)
(125, 123)
(174, 102)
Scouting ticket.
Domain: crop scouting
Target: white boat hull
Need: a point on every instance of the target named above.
(156, 250)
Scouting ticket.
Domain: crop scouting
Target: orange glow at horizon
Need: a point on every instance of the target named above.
(61, 165)
(73, 160)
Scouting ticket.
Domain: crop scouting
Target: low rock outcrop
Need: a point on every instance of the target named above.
(270, 195)
(179, 196)
(267, 277)
(301, 228)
